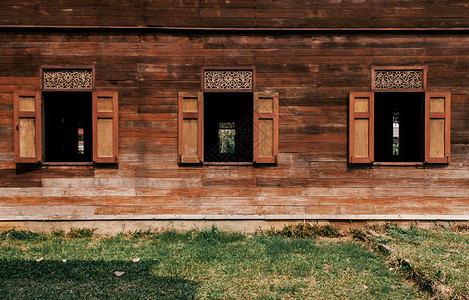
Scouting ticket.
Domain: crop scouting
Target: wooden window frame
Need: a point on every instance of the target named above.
(274, 116)
(199, 116)
(39, 119)
(446, 116)
(428, 115)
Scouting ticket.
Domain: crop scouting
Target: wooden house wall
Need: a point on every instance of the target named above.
(239, 13)
(313, 74)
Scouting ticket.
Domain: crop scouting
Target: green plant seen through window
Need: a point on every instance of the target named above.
(226, 137)
(395, 133)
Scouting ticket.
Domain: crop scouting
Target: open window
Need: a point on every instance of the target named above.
(228, 127)
(67, 122)
(67, 126)
(228, 123)
(399, 125)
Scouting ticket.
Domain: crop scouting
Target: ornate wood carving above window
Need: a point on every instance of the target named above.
(216, 80)
(398, 78)
(67, 78)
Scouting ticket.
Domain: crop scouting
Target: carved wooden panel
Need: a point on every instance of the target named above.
(76, 79)
(398, 79)
(228, 80)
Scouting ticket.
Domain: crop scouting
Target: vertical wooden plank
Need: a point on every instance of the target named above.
(265, 127)
(437, 127)
(105, 127)
(190, 137)
(27, 131)
(361, 138)
(266, 135)
(361, 127)
(437, 137)
(190, 127)
(104, 139)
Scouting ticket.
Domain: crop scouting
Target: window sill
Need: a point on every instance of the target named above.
(67, 164)
(398, 164)
(228, 163)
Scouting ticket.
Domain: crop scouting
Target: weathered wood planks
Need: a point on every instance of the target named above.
(312, 72)
(246, 13)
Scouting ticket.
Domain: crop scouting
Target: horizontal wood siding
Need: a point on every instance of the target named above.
(239, 13)
(312, 73)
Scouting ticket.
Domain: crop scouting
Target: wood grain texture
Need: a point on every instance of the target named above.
(437, 122)
(312, 73)
(190, 124)
(437, 137)
(104, 140)
(238, 14)
(105, 104)
(27, 133)
(361, 138)
(266, 137)
(105, 127)
(27, 104)
(190, 137)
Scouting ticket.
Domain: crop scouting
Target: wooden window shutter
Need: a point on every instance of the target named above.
(437, 127)
(105, 127)
(28, 125)
(361, 127)
(266, 127)
(190, 127)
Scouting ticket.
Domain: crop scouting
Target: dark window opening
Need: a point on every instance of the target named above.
(67, 126)
(399, 127)
(228, 127)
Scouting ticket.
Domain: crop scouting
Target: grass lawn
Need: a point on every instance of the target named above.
(206, 264)
(438, 257)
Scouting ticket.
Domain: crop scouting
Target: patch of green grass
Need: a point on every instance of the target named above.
(207, 264)
(81, 232)
(303, 230)
(142, 233)
(438, 257)
(22, 235)
(52, 279)
(214, 235)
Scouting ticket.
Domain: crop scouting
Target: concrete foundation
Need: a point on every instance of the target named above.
(247, 226)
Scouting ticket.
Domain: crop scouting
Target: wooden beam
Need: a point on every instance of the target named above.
(237, 29)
